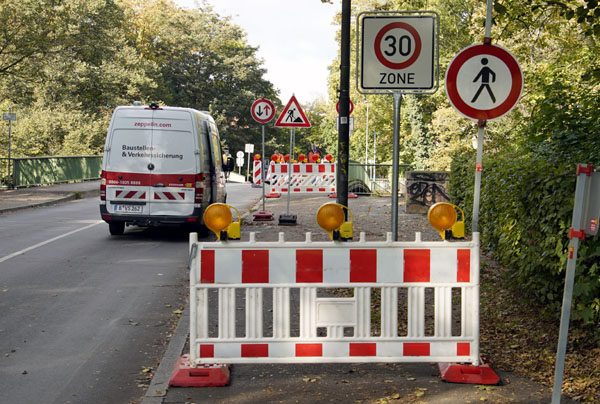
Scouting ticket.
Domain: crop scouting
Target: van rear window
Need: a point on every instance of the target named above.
(169, 151)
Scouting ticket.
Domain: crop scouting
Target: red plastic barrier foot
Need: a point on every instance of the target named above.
(263, 216)
(273, 195)
(468, 374)
(184, 375)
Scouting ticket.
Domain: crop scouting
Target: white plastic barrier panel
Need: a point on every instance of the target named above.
(271, 302)
(305, 178)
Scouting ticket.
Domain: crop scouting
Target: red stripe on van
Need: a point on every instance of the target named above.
(146, 180)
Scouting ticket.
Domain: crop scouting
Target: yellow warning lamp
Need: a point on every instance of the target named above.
(331, 218)
(218, 218)
(443, 217)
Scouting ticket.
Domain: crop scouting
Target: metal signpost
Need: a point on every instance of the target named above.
(249, 149)
(291, 117)
(239, 161)
(586, 215)
(398, 55)
(10, 116)
(483, 82)
(263, 111)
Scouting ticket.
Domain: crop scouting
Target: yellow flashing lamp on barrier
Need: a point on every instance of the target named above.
(443, 217)
(331, 218)
(218, 218)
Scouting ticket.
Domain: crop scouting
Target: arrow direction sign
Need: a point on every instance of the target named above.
(262, 110)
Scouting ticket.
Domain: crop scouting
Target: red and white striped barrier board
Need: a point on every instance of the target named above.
(169, 196)
(130, 195)
(268, 281)
(305, 178)
(257, 172)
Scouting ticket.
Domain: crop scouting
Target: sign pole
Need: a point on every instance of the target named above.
(248, 170)
(577, 220)
(395, 153)
(10, 182)
(290, 171)
(263, 111)
(478, 168)
(480, 132)
(262, 173)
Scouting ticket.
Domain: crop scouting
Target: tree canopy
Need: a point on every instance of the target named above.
(66, 64)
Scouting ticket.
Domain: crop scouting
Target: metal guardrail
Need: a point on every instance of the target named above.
(32, 171)
(378, 177)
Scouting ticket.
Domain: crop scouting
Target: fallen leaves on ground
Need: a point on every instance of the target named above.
(515, 337)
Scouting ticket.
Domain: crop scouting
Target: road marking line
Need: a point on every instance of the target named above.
(7, 257)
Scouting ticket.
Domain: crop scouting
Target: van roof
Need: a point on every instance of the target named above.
(203, 114)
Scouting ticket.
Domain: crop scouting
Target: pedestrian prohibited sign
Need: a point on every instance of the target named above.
(398, 52)
(484, 82)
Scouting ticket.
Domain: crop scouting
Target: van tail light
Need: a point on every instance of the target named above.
(103, 186)
(199, 188)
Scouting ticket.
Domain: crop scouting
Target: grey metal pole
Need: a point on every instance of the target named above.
(478, 168)
(395, 162)
(488, 20)
(367, 139)
(559, 369)
(262, 163)
(11, 182)
(248, 170)
(374, 173)
(292, 130)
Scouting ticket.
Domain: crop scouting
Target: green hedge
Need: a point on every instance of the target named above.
(525, 216)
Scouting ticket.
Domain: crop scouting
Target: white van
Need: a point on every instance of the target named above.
(161, 166)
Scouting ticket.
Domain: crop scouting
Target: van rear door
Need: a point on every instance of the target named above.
(126, 170)
(173, 162)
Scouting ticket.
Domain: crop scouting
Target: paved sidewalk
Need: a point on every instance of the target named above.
(24, 198)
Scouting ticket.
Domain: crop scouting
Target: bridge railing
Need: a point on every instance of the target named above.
(32, 171)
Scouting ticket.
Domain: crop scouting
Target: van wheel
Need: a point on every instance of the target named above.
(116, 228)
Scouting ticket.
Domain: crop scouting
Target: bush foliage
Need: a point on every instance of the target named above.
(527, 199)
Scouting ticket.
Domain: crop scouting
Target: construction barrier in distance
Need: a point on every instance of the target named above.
(310, 178)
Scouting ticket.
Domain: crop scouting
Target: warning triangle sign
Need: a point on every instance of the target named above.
(292, 116)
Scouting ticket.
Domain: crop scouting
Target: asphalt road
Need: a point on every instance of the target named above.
(85, 315)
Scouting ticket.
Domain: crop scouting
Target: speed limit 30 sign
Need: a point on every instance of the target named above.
(399, 52)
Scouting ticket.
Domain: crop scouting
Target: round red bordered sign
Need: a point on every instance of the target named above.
(484, 82)
(262, 110)
(380, 36)
(337, 107)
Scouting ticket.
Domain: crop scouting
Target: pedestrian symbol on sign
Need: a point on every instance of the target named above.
(484, 75)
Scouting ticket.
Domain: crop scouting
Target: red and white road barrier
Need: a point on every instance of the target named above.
(333, 329)
(257, 172)
(305, 178)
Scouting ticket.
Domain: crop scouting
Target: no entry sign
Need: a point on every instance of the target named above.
(484, 82)
(398, 52)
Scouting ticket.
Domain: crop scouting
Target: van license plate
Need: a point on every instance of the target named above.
(128, 208)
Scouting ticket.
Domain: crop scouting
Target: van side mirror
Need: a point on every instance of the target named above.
(229, 164)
